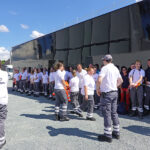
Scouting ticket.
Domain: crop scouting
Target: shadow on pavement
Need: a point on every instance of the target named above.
(145, 119)
(72, 132)
(139, 129)
(40, 99)
(40, 116)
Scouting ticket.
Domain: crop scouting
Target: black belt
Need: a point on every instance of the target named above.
(108, 92)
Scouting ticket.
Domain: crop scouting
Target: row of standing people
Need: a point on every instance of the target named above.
(83, 89)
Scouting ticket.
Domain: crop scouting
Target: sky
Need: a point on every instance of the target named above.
(24, 20)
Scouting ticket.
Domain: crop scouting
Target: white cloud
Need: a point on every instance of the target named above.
(24, 26)
(138, 0)
(36, 34)
(4, 53)
(3, 28)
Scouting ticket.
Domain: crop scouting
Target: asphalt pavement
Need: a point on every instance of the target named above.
(31, 125)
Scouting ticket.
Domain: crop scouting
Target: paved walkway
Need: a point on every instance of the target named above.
(31, 126)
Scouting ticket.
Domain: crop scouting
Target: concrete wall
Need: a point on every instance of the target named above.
(30, 63)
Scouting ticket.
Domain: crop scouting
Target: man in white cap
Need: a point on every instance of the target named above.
(107, 87)
(3, 104)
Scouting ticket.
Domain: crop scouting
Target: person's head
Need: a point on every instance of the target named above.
(79, 67)
(90, 65)
(59, 66)
(148, 62)
(90, 71)
(32, 72)
(124, 70)
(70, 68)
(132, 66)
(0, 64)
(44, 72)
(95, 69)
(107, 59)
(36, 70)
(138, 64)
(39, 70)
(51, 69)
(23, 69)
(97, 66)
(74, 73)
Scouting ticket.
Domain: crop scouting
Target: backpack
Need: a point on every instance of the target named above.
(122, 108)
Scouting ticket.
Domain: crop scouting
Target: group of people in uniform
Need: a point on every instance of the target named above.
(89, 89)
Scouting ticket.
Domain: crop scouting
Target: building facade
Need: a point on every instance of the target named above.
(124, 33)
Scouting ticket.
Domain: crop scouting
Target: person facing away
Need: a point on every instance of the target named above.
(74, 93)
(107, 87)
(3, 104)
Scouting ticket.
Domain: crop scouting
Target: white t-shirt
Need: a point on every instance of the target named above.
(51, 77)
(3, 87)
(32, 78)
(136, 74)
(66, 75)
(80, 76)
(74, 84)
(59, 76)
(36, 77)
(16, 76)
(95, 77)
(40, 76)
(90, 83)
(110, 74)
(24, 76)
(45, 79)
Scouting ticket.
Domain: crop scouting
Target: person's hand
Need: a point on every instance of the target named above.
(98, 92)
(86, 97)
(132, 85)
(147, 83)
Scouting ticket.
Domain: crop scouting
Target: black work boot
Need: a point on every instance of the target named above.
(64, 118)
(133, 113)
(146, 112)
(1, 145)
(104, 138)
(79, 114)
(116, 136)
(91, 119)
(140, 115)
(57, 117)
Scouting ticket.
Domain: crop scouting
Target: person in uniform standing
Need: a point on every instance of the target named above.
(107, 87)
(147, 88)
(36, 82)
(51, 83)
(96, 97)
(3, 104)
(23, 80)
(61, 97)
(136, 77)
(45, 82)
(80, 74)
(87, 91)
(16, 80)
(31, 83)
(74, 93)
